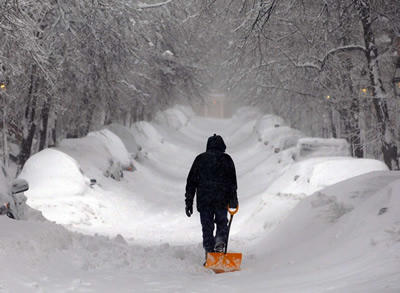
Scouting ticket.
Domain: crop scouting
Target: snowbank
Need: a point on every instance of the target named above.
(99, 153)
(311, 175)
(246, 114)
(52, 173)
(175, 118)
(341, 235)
(145, 133)
(279, 138)
(114, 145)
(321, 147)
(126, 137)
(93, 156)
(268, 121)
(345, 238)
(188, 111)
(273, 132)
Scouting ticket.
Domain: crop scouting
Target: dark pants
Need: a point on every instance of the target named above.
(209, 217)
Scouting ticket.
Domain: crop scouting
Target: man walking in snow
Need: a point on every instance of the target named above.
(213, 179)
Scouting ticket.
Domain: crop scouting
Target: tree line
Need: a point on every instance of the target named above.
(69, 67)
(325, 66)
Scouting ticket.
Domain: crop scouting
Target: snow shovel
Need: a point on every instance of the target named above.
(222, 262)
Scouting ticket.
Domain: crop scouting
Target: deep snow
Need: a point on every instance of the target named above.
(300, 227)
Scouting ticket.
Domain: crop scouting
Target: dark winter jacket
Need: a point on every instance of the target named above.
(212, 177)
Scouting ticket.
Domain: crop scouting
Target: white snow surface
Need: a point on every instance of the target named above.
(126, 137)
(319, 147)
(114, 144)
(52, 173)
(300, 227)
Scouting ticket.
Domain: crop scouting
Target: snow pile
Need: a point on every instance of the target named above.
(266, 122)
(99, 153)
(345, 238)
(126, 137)
(308, 176)
(174, 118)
(52, 173)
(114, 145)
(321, 147)
(279, 138)
(146, 133)
(246, 114)
(93, 156)
(188, 111)
(273, 132)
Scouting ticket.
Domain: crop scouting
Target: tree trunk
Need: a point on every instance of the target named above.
(29, 125)
(332, 122)
(386, 133)
(5, 133)
(54, 133)
(44, 116)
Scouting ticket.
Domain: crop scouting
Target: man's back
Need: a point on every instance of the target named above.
(212, 176)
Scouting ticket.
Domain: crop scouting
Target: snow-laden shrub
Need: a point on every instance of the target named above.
(322, 147)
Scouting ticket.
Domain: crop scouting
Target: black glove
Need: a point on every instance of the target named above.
(233, 203)
(189, 210)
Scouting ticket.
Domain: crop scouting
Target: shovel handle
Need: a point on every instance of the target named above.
(232, 212)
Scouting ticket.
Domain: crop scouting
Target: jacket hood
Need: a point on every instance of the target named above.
(216, 143)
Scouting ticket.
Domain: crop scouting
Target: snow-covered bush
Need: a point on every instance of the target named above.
(322, 147)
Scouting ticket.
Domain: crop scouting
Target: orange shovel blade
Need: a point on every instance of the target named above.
(223, 262)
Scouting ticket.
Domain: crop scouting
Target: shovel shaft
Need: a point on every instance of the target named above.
(232, 213)
(227, 235)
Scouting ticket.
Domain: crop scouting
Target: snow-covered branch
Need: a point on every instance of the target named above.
(341, 50)
(142, 5)
(322, 61)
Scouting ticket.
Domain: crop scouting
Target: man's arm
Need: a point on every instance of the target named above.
(233, 202)
(191, 184)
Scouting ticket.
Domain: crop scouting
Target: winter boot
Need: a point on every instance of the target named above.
(219, 246)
